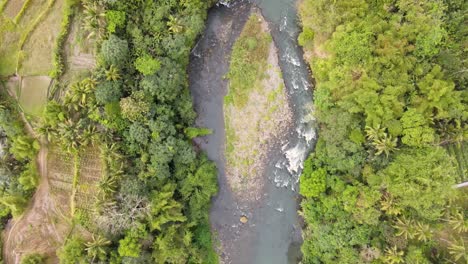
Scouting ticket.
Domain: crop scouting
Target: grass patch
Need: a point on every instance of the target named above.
(37, 49)
(248, 61)
(18, 21)
(33, 94)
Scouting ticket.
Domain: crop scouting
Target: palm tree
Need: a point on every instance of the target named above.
(385, 145)
(69, 132)
(173, 24)
(94, 20)
(108, 185)
(47, 131)
(405, 228)
(423, 232)
(90, 83)
(457, 249)
(458, 222)
(112, 74)
(393, 256)
(87, 136)
(389, 205)
(374, 133)
(96, 247)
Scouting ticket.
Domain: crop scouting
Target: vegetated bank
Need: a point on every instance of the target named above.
(256, 110)
(153, 194)
(18, 168)
(390, 98)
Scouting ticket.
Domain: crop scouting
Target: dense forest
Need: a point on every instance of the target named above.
(135, 108)
(391, 102)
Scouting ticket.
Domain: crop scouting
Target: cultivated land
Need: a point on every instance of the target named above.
(256, 109)
(68, 184)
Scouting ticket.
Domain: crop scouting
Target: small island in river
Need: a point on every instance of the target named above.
(256, 109)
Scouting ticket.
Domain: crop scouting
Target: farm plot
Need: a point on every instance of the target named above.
(37, 54)
(33, 94)
(28, 22)
(74, 189)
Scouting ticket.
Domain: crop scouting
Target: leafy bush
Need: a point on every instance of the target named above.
(193, 132)
(115, 51)
(33, 258)
(147, 65)
(115, 19)
(73, 251)
(108, 92)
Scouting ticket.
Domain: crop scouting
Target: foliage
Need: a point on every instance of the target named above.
(115, 19)
(155, 191)
(73, 251)
(114, 51)
(384, 86)
(248, 61)
(108, 92)
(68, 13)
(193, 132)
(33, 258)
(147, 65)
(312, 181)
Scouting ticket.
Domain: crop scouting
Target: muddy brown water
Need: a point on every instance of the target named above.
(273, 231)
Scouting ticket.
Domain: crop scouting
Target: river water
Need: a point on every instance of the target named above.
(273, 232)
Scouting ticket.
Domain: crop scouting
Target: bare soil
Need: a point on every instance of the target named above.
(41, 228)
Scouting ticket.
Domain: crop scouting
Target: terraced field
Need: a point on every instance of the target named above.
(68, 183)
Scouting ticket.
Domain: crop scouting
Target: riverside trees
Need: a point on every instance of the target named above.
(386, 98)
(154, 199)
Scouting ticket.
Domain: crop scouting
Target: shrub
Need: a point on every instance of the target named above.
(147, 64)
(108, 92)
(193, 132)
(115, 19)
(33, 258)
(29, 178)
(114, 51)
(73, 251)
(306, 36)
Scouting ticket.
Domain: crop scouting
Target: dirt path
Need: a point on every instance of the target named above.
(41, 228)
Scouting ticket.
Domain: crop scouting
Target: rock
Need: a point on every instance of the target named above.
(243, 219)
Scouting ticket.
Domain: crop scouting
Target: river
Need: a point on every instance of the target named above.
(273, 232)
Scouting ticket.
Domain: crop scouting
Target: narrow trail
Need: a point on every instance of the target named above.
(37, 229)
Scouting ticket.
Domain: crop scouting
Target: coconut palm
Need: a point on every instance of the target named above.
(108, 185)
(458, 222)
(87, 136)
(405, 227)
(374, 133)
(389, 205)
(47, 131)
(457, 249)
(96, 247)
(385, 145)
(393, 256)
(112, 74)
(423, 232)
(90, 83)
(174, 25)
(94, 19)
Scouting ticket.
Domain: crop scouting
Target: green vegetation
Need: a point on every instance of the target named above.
(18, 171)
(34, 258)
(248, 61)
(390, 98)
(154, 190)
